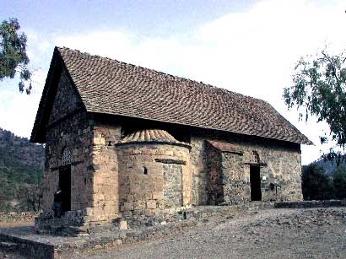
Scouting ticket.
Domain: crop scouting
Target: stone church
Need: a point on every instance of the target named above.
(124, 141)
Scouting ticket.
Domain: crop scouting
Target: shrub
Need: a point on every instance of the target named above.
(340, 182)
(315, 184)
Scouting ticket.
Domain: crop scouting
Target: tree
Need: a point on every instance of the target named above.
(319, 88)
(30, 197)
(13, 56)
(340, 182)
(315, 184)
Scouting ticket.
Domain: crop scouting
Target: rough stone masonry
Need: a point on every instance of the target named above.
(128, 143)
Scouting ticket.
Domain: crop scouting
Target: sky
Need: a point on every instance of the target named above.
(250, 47)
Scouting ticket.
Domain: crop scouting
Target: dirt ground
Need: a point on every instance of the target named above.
(271, 233)
(263, 233)
(13, 219)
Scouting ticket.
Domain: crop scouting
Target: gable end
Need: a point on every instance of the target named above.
(44, 116)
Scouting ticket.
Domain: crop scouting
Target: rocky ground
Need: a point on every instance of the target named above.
(270, 233)
(15, 219)
(238, 233)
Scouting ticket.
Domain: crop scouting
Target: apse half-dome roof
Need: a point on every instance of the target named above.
(150, 135)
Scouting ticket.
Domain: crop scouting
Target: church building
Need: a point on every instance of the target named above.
(124, 141)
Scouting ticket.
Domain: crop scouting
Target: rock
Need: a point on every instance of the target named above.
(123, 225)
(98, 246)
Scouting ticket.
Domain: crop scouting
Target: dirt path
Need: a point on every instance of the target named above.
(285, 233)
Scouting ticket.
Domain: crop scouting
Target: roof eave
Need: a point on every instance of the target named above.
(56, 66)
(305, 141)
(37, 135)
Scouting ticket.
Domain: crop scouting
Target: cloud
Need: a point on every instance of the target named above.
(17, 111)
(251, 52)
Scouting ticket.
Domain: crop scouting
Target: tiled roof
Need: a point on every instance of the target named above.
(225, 147)
(149, 135)
(112, 87)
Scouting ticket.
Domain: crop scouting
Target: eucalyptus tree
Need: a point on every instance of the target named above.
(13, 54)
(319, 89)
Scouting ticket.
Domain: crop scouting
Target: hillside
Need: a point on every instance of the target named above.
(21, 165)
(328, 166)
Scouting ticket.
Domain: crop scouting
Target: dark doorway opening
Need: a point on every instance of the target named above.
(255, 181)
(65, 187)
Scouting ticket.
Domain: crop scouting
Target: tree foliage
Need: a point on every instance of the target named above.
(319, 89)
(315, 184)
(21, 173)
(30, 197)
(13, 57)
(340, 182)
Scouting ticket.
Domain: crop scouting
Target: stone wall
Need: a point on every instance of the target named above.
(280, 170)
(69, 134)
(66, 100)
(110, 179)
(153, 178)
(236, 179)
(281, 166)
(74, 138)
(199, 170)
(215, 186)
(105, 173)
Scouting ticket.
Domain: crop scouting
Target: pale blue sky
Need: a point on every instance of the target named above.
(248, 47)
(147, 17)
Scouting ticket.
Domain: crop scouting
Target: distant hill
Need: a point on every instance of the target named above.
(21, 164)
(328, 166)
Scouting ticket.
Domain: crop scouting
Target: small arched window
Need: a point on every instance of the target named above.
(66, 156)
(255, 157)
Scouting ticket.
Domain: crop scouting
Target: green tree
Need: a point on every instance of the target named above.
(319, 89)
(29, 197)
(13, 57)
(315, 184)
(340, 182)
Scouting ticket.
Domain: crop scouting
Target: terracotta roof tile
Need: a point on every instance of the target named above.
(112, 87)
(225, 147)
(149, 135)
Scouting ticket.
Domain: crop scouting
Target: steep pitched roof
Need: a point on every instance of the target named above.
(112, 87)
